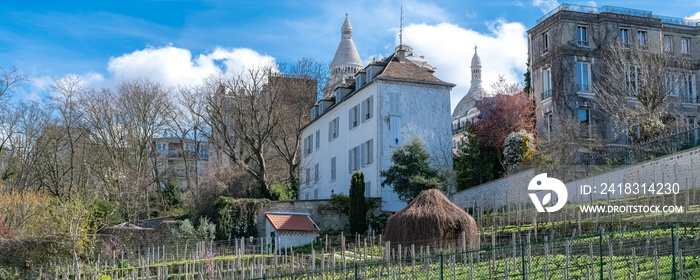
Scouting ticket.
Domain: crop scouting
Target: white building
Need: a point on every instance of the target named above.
(466, 110)
(290, 229)
(365, 115)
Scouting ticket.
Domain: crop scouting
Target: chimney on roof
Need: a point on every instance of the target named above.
(401, 53)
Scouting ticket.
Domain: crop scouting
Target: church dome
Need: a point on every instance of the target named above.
(471, 99)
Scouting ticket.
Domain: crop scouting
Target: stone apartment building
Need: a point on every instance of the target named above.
(565, 62)
(180, 159)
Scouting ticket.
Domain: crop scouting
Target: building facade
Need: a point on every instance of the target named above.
(565, 62)
(363, 118)
(180, 161)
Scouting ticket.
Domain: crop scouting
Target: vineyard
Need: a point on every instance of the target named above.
(660, 253)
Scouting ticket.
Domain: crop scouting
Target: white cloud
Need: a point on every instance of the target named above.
(175, 66)
(171, 65)
(696, 16)
(450, 48)
(545, 5)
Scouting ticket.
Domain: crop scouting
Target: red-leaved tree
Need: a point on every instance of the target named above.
(508, 110)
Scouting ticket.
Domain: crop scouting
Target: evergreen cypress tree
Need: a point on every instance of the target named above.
(358, 208)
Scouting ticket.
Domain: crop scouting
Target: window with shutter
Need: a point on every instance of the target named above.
(318, 139)
(363, 111)
(332, 169)
(370, 106)
(368, 189)
(316, 170)
(357, 159)
(394, 103)
(351, 158)
(330, 130)
(370, 151)
(352, 121)
(336, 130)
(363, 149)
(395, 131)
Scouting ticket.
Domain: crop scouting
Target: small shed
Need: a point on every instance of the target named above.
(292, 229)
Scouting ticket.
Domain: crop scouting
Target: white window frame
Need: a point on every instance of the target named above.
(353, 118)
(588, 121)
(367, 109)
(338, 96)
(367, 150)
(395, 103)
(624, 36)
(333, 168)
(394, 131)
(354, 159)
(642, 38)
(583, 87)
(632, 79)
(545, 42)
(316, 173)
(685, 46)
(582, 40)
(318, 139)
(189, 147)
(333, 129)
(689, 91)
(308, 144)
(668, 44)
(549, 117)
(546, 83)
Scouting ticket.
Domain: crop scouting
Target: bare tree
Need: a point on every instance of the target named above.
(243, 115)
(123, 124)
(564, 147)
(636, 89)
(64, 163)
(23, 155)
(298, 91)
(8, 81)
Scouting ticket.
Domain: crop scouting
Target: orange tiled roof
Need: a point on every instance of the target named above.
(291, 222)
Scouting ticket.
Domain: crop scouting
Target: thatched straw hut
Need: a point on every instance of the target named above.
(431, 219)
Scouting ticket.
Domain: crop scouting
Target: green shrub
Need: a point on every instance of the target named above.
(206, 230)
(237, 217)
(338, 204)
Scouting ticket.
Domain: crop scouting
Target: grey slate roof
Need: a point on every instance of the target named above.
(404, 69)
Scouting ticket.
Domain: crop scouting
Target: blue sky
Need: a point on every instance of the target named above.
(179, 41)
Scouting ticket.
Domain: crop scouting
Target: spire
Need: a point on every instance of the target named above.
(346, 61)
(476, 61)
(346, 30)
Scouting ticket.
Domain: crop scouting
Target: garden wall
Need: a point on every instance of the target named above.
(682, 168)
